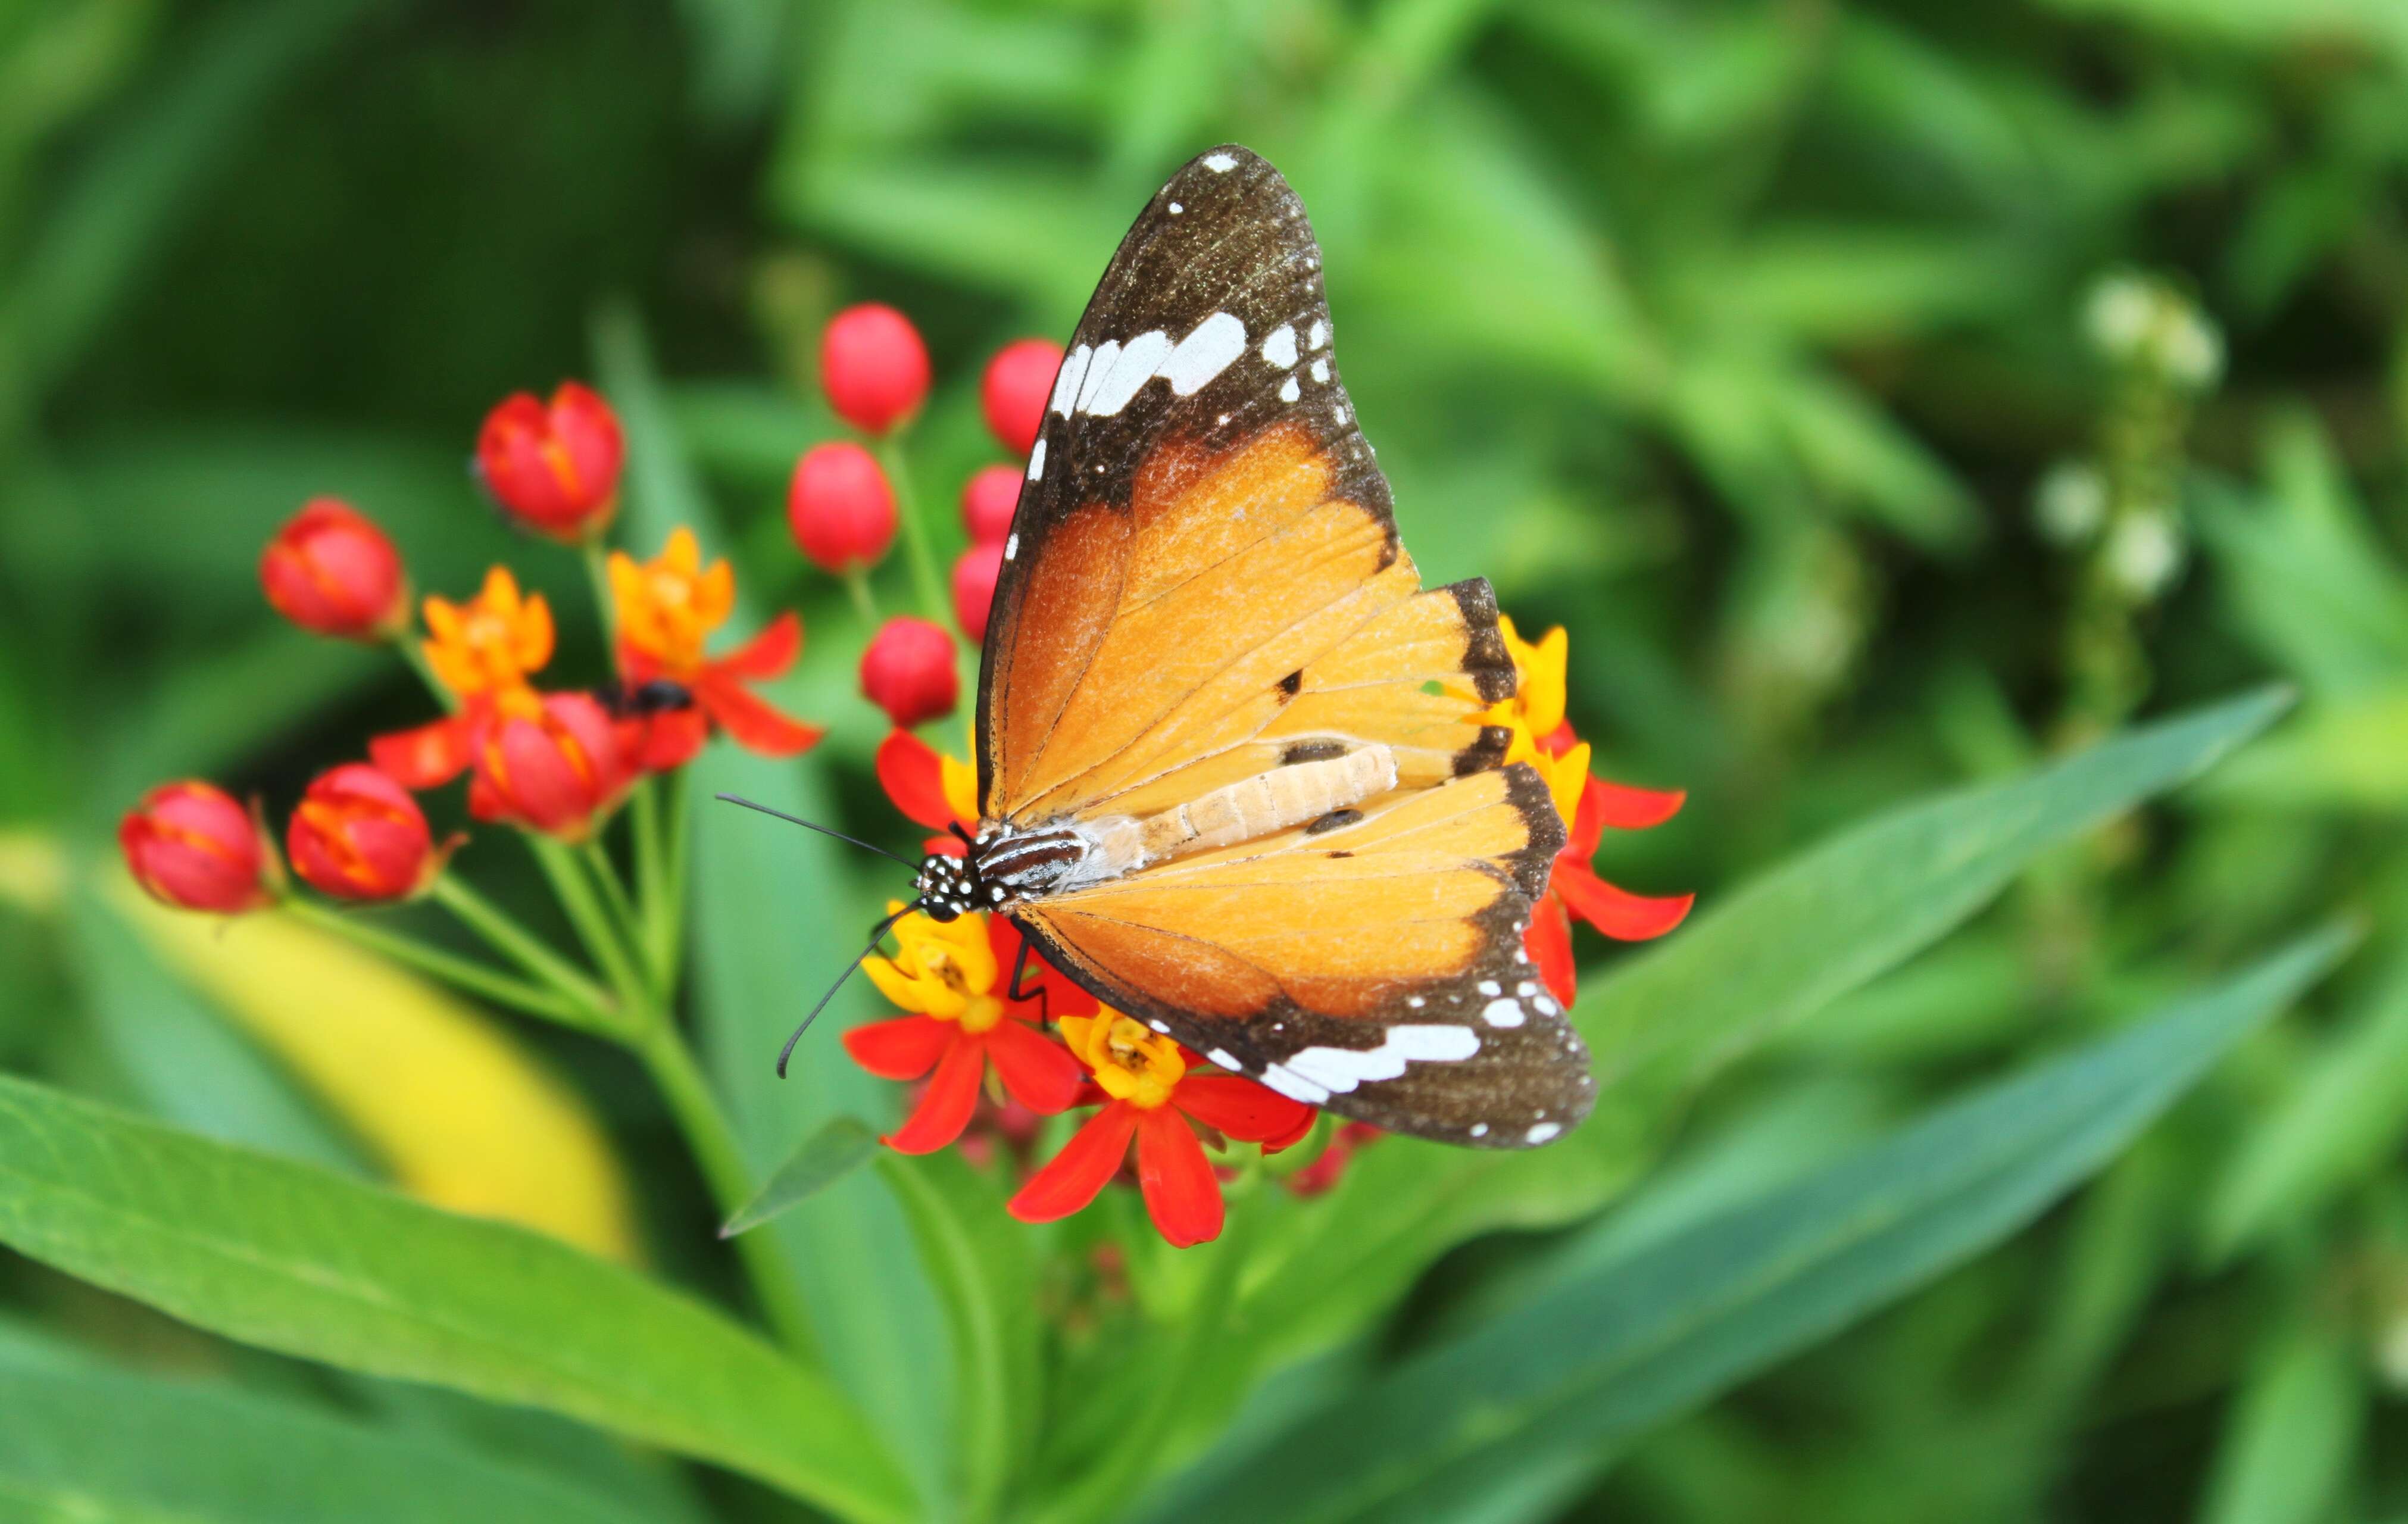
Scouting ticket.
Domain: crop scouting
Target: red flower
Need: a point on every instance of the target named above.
(191, 846)
(907, 671)
(556, 770)
(359, 835)
(931, 789)
(1573, 889)
(873, 366)
(974, 578)
(1154, 1100)
(553, 468)
(332, 571)
(954, 976)
(988, 501)
(841, 507)
(1014, 389)
(667, 608)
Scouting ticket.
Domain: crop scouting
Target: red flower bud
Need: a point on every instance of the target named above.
(907, 671)
(988, 503)
(553, 468)
(974, 576)
(553, 771)
(332, 570)
(191, 846)
(841, 507)
(873, 366)
(1014, 390)
(359, 835)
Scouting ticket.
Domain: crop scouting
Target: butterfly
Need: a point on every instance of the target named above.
(1232, 774)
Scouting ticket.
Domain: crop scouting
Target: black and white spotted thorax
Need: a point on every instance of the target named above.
(1006, 866)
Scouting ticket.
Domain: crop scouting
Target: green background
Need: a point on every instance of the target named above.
(1741, 339)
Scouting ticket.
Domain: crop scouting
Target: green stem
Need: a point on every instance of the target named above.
(644, 825)
(587, 913)
(717, 1155)
(623, 914)
(1134, 1451)
(499, 987)
(503, 932)
(856, 582)
(668, 915)
(606, 608)
(915, 533)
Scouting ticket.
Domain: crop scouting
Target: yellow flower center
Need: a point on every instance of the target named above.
(669, 606)
(944, 970)
(488, 646)
(1131, 1062)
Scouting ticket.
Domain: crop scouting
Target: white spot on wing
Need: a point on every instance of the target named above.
(1490, 986)
(1540, 1131)
(1225, 1059)
(1290, 391)
(1547, 1007)
(1279, 346)
(1480, 1129)
(1159, 1027)
(1340, 1070)
(1321, 372)
(1294, 1086)
(1096, 366)
(1066, 379)
(1176, 209)
(1130, 371)
(1319, 335)
(1504, 1011)
(1220, 164)
(1010, 547)
(1037, 460)
(1205, 353)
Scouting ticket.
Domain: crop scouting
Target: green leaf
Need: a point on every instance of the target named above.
(984, 1265)
(2293, 1428)
(822, 1158)
(1633, 1342)
(294, 1259)
(93, 1445)
(1828, 921)
(2347, 1113)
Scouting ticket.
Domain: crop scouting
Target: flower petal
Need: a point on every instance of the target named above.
(1073, 1176)
(1180, 1194)
(1618, 913)
(1243, 1110)
(911, 773)
(768, 653)
(1549, 942)
(1040, 1074)
(946, 1105)
(1628, 809)
(749, 719)
(904, 1048)
(428, 757)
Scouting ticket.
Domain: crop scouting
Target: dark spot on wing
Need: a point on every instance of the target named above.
(1311, 750)
(1289, 684)
(1331, 821)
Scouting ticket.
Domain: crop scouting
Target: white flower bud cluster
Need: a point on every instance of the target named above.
(2134, 320)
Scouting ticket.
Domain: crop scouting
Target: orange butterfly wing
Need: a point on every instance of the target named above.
(1203, 583)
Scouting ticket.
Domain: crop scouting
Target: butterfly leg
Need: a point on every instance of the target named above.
(1014, 993)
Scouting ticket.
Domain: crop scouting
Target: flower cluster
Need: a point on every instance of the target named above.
(548, 760)
(1543, 737)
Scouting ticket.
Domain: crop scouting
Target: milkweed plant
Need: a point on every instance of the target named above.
(1118, 1240)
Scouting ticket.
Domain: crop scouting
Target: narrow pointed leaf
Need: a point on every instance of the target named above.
(821, 1159)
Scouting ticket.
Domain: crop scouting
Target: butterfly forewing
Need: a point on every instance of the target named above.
(1203, 584)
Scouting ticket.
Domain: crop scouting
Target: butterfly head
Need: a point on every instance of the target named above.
(949, 888)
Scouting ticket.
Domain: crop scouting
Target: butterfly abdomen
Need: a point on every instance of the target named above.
(1271, 802)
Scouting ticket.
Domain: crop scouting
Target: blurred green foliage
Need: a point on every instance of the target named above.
(1887, 396)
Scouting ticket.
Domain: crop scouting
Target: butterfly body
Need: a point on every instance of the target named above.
(1235, 772)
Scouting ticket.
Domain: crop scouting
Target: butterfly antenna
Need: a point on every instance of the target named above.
(810, 826)
(863, 956)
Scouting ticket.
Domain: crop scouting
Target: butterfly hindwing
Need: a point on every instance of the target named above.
(1203, 584)
(1375, 968)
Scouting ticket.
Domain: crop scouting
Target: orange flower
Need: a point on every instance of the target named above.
(668, 609)
(484, 651)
